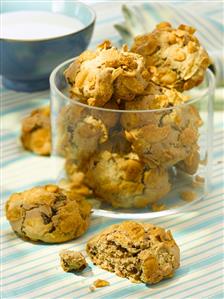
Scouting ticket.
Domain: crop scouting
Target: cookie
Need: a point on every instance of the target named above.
(140, 252)
(175, 57)
(116, 143)
(190, 163)
(164, 138)
(83, 138)
(155, 97)
(96, 77)
(72, 261)
(81, 130)
(124, 181)
(36, 131)
(48, 213)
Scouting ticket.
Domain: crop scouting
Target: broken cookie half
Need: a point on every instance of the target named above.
(140, 252)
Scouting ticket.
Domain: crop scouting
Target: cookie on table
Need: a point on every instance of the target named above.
(124, 181)
(140, 252)
(36, 131)
(175, 57)
(48, 213)
(72, 261)
(96, 77)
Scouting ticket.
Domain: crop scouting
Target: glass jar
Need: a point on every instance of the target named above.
(139, 164)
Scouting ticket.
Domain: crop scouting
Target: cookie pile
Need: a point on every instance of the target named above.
(127, 148)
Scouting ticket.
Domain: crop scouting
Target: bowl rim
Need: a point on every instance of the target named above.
(91, 23)
(209, 76)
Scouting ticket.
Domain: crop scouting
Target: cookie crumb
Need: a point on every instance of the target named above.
(99, 283)
(188, 195)
(219, 162)
(72, 261)
(198, 181)
(158, 207)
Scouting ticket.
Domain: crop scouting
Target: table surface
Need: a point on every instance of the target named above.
(32, 270)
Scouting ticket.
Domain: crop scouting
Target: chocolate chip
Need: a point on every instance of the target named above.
(46, 219)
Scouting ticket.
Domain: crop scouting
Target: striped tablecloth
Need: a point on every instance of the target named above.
(32, 271)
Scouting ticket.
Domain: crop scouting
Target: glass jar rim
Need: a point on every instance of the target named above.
(208, 90)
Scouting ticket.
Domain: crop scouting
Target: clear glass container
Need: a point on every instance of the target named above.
(140, 164)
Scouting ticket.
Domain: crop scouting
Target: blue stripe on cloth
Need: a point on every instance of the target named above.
(36, 248)
(25, 156)
(5, 224)
(7, 193)
(8, 135)
(217, 199)
(104, 296)
(26, 106)
(178, 275)
(23, 277)
(217, 296)
(218, 25)
(217, 284)
(132, 289)
(48, 268)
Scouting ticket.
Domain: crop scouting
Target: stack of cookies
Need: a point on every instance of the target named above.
(136, 123)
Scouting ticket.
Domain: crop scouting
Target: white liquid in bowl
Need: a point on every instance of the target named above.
(35, 25)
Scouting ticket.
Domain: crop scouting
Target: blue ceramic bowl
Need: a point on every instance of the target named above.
(26, 64)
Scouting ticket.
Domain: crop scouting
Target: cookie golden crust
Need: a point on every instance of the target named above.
(164, 139)
(190, 164)
(82, 131)
(124, 181)
(36, 131)
(140, 252)
(117, 143)
(48, 213)
(154, 97)
(80, 139)
(175, 57)
(96, 77)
